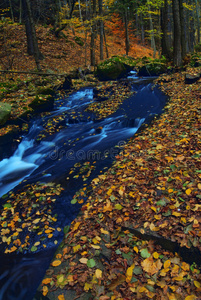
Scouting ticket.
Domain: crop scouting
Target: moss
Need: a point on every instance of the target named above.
(114, 67)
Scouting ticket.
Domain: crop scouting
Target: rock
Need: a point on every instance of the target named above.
(45, 91)
(67, 83)
(152, 69)
(189, 79)
(111, 70)
(42, 103)
(5, 111)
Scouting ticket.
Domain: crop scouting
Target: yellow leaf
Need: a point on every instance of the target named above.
(46, 280)
(87, 286)
(95, 180)
(96, 240)
(199, 186)
(75, 227)
(108, 206)
(109, 192)
(191, 297)
(183, 220)
(48, 231)
(45, 290)
(159, 147)
(197, 284)
(176, 214)
(37, 244)
(129, 273)
(36, 221)
(83, 260)
(170, 191)
(95, 246)
(154, 208)
(98, 273)
(76, 248)
(166, 264)
(188, 191)
(61, 297)
(136, 249)
(156, 255)
(185, 266)
(142, 289)
(56, 263)
(104, 231)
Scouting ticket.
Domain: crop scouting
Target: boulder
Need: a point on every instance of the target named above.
(152, 69)
(189, 79)
(42, 103)
(5, 111)
(111, 69)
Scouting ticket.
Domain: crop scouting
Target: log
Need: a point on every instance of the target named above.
(34, 73)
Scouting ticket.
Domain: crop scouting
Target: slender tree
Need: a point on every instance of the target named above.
(32, 43)
(177, 56)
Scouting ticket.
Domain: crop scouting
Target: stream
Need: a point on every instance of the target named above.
(41, 157)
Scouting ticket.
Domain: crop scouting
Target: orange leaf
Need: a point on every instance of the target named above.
(150, 266)
(46, 280)
(56, 263)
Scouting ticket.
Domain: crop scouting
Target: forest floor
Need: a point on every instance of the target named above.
(139, 232)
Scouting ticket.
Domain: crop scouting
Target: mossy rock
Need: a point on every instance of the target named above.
(114, 68)
(152, 69)
(45, 91)
(42, 103)
(5, 111)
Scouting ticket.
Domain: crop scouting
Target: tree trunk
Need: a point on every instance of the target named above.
(198, 20)
(100, 3)
(182, 22)
(11, 10)
(32, 43)
(106, 48)
(126, 31)
(153, 43)
(177, 58)
(165, 44)
(93, 28)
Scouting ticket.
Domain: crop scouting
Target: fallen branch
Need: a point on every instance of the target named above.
(190, 255)
(34, 73)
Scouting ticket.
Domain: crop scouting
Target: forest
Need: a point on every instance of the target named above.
(100, 149)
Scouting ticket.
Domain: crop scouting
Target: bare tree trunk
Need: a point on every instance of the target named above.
(198, 20)
(127, 43)
(182, 22)
(153, 43)
(11, 10)
(106, 48)
(100, 3)
(93, 28)
(32, 43)
(177, 59)
(165, 44)
(20, 18)
(142, 29)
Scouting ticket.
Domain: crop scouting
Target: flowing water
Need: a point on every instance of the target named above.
(43, 157)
